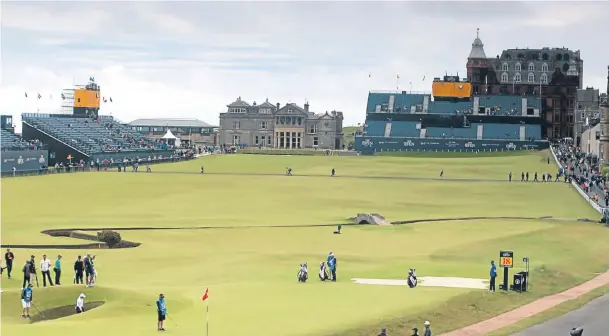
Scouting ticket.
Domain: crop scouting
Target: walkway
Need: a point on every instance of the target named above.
(592, 317)
(531, 309)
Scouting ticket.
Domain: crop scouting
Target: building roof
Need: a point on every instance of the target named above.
(266, 104)
(477, 47)
(171, 122)
(239, 103)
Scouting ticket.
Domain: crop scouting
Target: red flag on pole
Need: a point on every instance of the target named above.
(205, 296)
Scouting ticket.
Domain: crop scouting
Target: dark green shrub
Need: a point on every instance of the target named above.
(112, 238)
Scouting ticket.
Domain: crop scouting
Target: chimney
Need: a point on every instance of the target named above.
(278, 106)
(306, 107)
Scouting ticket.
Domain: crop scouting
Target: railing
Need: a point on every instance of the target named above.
(24, 148)
(76, 169)
(400, 92)
(452, 138)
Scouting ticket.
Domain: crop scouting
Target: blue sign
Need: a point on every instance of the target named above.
(381, 144)
(24, 160)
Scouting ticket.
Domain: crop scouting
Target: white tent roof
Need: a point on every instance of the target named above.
(169, 135)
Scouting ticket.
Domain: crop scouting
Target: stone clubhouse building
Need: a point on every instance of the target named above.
(275, 126)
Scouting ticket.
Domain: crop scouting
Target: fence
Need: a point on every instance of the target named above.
(369, 145)
(75, 169)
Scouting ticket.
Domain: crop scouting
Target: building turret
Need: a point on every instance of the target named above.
(477, 51)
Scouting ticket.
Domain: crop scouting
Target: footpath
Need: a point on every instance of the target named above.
(533, 308)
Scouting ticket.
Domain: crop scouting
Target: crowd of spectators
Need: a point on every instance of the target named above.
(585, 170)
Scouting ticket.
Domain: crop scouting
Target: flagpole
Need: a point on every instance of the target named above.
(397, 82)
(207, 319)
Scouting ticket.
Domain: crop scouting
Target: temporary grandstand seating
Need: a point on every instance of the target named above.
(9, 140)
(405, 129)
(508, 105)
(402, 102)
(501, 131)
(532, 132)
(89, 135)
(375, 128)
(456, 133)
(447, 107)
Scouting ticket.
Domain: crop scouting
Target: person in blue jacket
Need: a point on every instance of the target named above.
(493, 274)
(26, 300)
(332, 265)
(162, 312)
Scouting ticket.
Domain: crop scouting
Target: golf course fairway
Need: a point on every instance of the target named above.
(242, 229)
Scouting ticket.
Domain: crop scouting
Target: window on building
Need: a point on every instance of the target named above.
(236, 125)
(299, 121)
(545, 57)
(289, 110)
(315, 141)
(263, 125)
(256, 140)
(544, 78)
(235, 139)
(556, 117)
(504, 77)
(544, 67)
(531, 77)
(265, 111)
(583, 115)
(505, 67)
(313, 129)
(517, 78)
(269, 141)
(531, 67)
(518, 67)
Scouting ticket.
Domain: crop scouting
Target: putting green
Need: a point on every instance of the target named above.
(251, 271)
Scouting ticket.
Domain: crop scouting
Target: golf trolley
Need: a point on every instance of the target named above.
(412, 278)
(303, 273)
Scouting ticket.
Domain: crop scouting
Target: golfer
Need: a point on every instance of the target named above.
(80, 304)
(161, 312)
(332, 265)
(26, 300)
(493, 274)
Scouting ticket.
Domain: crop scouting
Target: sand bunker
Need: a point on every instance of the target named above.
(430, 282)
(63, 311)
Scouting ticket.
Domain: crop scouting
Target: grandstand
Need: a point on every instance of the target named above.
(85, 138)
(11, 141)
(408, 121)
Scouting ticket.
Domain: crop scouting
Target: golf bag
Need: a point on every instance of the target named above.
(412, 278)
(323, 274)
(303, 274)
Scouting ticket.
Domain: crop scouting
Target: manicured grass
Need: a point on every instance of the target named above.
(251, 272)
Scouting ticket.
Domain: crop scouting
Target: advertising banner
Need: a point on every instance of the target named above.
(381, 144)
(24, 160)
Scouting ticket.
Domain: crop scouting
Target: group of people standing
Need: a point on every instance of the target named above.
(82, 267)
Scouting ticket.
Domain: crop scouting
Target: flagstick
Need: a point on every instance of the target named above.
(207, 319)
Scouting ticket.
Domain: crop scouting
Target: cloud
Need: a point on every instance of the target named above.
(191, 59)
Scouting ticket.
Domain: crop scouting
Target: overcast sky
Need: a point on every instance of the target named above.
(191, 59)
